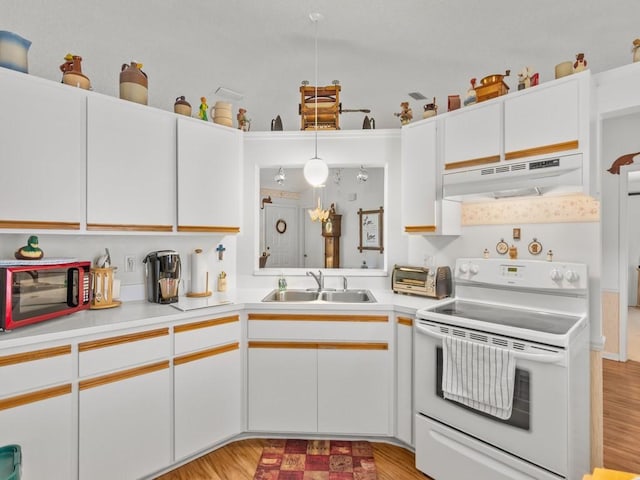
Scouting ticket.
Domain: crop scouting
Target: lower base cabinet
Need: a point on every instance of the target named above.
(125, 423)
(283, 386)
(208, 402)
(41, 423)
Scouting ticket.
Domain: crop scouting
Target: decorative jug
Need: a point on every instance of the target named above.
(221, 114)
(72, 72)
(13, 51)
(182, 107)
(134, 84)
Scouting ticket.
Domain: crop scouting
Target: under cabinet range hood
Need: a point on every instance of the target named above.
(562, 174)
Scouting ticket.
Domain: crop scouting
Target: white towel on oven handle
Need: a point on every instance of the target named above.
(479, 376)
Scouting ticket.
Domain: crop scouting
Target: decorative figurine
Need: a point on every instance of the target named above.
(134, 84)
(244, 123)
(485, 253)
(220, 249)
(513, 252)
(620, 161)
(580, 64)
(204, 108)
(550, 256)
(524, 78)
(72, 72)
(31, 251)
(406, 114)
(636, 50)
(182, 107)
(430, 109)
(471, 97)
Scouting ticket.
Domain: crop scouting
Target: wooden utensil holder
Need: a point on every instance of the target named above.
(102, 288)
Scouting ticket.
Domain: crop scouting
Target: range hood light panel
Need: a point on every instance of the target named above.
(518, 192)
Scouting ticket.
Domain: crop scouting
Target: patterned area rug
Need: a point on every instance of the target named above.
(316, 460)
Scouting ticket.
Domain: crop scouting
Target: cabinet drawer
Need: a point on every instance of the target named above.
(35, 369)
(113, 353)
(206, 333)
(339, 327)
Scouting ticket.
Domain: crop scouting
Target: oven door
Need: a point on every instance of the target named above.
(537, 429)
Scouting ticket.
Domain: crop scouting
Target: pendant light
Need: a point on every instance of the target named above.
(316, 170)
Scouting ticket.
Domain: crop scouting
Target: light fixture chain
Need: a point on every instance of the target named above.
(316, 87)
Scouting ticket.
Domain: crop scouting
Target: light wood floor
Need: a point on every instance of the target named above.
(238, 461)
(621, 406)
(621, 418)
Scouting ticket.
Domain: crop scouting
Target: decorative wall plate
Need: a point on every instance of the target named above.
(535, 247)
(502, 247)
(281, 226)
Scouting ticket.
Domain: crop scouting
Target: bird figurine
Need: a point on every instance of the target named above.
(31, 251)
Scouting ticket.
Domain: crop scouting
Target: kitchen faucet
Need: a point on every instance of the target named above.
(318, 278)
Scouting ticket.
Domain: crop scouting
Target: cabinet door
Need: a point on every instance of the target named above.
(131, 166)
(209, 177)
(419, 170)
(207, 386)
(282, 389)
(542, 120)
(41, 422)
(404, 380)
(355, 389)
(125, 423)
(473, 136)
(42, 133)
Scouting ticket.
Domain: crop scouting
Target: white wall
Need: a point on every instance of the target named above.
(89, 247)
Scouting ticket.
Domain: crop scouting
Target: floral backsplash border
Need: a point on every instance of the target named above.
(561, 209)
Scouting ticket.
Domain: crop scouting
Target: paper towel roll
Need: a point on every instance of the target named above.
(198, 272)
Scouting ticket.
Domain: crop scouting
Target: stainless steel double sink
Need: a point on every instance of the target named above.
(334, 296)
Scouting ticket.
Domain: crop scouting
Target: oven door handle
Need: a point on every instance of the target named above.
(551, 357)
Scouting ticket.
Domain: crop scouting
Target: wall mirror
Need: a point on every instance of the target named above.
(286, 198)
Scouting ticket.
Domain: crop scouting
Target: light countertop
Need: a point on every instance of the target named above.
(137, 314)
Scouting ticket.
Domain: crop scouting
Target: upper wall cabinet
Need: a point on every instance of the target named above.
(209, 177)
(472, 136)
(546, 119)
(423, 209)
(131, 166)
(42, 137)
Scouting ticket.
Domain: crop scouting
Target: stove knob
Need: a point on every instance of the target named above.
(556, 275)
(571, 276)
(474, 269)
(463, 268)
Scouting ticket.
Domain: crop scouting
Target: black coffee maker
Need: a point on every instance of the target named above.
(162, 273)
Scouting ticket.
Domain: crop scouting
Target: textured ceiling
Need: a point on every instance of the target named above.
(378, 50)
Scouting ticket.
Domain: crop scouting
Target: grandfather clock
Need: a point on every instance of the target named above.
(331, 234)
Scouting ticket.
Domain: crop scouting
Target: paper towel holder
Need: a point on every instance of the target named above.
(207, 292)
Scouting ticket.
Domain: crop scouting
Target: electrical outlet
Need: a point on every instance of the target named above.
(130, 263)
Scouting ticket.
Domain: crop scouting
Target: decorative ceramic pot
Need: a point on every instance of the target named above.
(182, 107)
(563, 69)
(430, 109)
(72, 72)
(221, 114)
(134, 84)
(13, 51)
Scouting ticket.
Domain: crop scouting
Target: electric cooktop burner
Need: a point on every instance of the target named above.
(552, 323)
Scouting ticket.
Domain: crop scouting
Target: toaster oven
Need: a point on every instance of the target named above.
(432, 282)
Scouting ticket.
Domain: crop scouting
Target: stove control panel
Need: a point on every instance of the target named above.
(533, 274)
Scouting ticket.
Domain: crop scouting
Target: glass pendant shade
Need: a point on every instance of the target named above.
(316, 172)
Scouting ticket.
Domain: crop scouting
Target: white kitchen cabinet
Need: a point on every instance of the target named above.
(41, 422)
(423, 209)
(404, 379)
(472, 136)
(547, 118)
(282, 387)
(354, 389)
(42, 133)
(209, 177)
(131, 166)
(125, 423)
(36, 409)
(207, 384)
